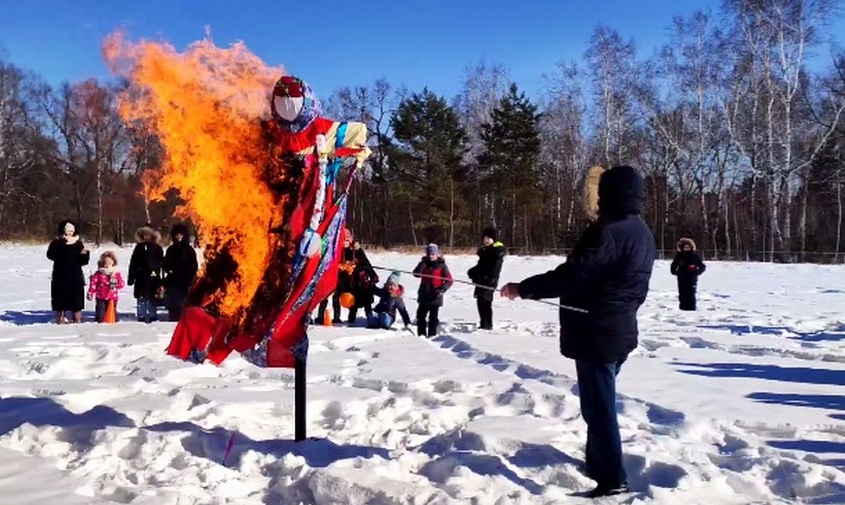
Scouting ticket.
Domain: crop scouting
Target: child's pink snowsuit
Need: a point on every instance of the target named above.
(104, 286)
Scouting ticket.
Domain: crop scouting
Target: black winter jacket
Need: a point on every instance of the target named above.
(145, 270)
(687, 266)
(608, 274)
(488, 269)
(180, 265)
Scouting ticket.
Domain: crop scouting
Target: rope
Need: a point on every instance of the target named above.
(468, 283)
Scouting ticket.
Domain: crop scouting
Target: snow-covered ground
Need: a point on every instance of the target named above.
(740, 402)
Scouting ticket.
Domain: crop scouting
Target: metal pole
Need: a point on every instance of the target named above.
(299, 400)
(547, 302)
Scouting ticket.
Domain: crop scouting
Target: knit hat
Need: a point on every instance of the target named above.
(432, 250)
(393, 278)
(489, 232)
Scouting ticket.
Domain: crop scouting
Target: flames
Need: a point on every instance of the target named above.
(205, 106)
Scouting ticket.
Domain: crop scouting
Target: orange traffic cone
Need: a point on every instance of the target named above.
(111, 315)
(327, 317)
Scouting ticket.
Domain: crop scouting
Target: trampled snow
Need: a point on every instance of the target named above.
(740, 402)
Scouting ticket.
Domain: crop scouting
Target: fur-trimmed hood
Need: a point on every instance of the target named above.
(147, 234)
(180, 229)
(686, 241)
(616, 192)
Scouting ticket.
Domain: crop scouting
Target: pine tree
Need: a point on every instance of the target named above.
(430, 144)
(512, 148)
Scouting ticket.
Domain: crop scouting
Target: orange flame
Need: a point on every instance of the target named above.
(205, 106)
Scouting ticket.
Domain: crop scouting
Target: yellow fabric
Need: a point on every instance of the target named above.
(356, 138)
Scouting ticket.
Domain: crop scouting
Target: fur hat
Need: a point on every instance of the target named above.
(686, 241)
(490, 232)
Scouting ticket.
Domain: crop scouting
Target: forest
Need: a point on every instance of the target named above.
(736, 123)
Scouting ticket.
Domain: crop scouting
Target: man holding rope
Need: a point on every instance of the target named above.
(607, 274)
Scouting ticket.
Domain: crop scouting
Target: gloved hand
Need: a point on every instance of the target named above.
(90, 297)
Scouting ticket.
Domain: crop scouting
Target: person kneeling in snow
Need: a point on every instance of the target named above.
(389, 303)
(607, 274)
(687, 266)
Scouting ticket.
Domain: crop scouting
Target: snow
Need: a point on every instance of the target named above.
(740, 402)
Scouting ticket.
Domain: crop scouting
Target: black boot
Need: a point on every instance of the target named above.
(432, 328)
(608, 490)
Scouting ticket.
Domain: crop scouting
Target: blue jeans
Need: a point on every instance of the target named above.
(597, 390)
(381, 320)
(146, 310)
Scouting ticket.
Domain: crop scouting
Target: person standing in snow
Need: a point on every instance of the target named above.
(344, 278)
(390, 302)
(364, 279)
(67, 284)
(435, 279)
(145, 272)
(687, 266)
(608, 274)
(491, 255)
(180, 268)
(104, 285)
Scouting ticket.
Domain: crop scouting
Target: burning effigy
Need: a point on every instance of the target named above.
(262, 173)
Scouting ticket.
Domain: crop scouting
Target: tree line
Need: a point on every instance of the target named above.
(736, 122)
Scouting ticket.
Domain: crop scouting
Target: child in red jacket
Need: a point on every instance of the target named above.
(104, 285)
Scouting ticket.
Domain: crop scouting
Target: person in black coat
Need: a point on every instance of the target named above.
(435, 279)
(354, 274)
(491, 255)
(67, 285)
(180, 268)
(363, 284)
(145, 272)
(687, 266)
(608, 274)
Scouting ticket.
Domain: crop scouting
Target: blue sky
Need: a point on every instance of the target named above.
(331, 43)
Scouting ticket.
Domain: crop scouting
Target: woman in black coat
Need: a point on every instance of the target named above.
(180, 270)
(145, 273)
(363, 283)
(67, 287)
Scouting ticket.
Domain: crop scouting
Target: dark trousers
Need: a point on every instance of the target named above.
(353, 313)
(428, 312)
(686, 294)
(597, 390)
(100, 307)
(146, 310)
(485, 313)
(335, 308)
(176, 296)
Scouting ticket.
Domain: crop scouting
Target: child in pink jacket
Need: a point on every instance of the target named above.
(105, 284)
